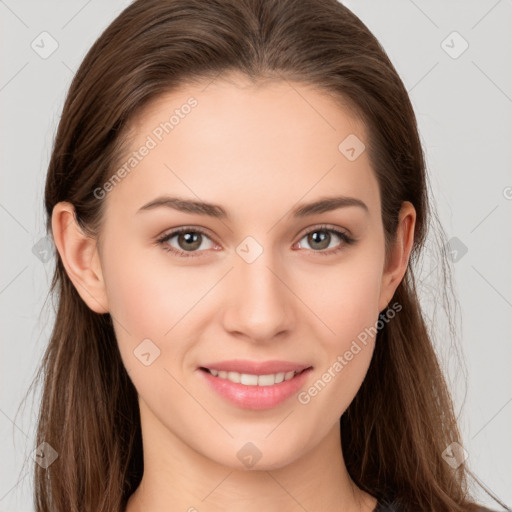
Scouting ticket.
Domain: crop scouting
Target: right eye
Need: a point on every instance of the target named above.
(191, 237)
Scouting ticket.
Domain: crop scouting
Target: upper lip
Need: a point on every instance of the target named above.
(256, 367)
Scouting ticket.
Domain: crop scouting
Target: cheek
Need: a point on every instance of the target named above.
(147, 294)
(348, 304)
(346, 297)
(150, 298)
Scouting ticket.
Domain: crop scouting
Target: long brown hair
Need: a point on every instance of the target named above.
(400, 422)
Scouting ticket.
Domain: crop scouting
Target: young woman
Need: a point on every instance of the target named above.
(237, 193)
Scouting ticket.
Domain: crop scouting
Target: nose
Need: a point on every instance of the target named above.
(259, 304)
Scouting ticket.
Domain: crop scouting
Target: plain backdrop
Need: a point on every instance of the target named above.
(455, 60)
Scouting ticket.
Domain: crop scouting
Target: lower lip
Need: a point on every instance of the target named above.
(256, 397)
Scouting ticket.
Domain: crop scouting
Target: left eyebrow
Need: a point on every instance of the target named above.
(328, 204)
(214, 210)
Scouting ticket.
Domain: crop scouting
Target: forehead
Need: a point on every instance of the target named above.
(235, 108)
(240, 143)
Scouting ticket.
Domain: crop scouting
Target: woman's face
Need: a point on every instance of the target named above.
(258, 285)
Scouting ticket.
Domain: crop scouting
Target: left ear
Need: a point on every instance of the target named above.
(398, 260)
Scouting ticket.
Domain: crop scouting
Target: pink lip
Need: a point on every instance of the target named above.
(256, 397)
(256, 368)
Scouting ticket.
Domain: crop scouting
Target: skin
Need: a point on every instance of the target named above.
(257, 151)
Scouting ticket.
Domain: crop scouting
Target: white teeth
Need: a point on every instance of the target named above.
(253, 380)
(266, 380)
(289, 375)
(234, 377)
(248, 380)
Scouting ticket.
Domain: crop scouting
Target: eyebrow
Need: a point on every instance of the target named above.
(214, 210)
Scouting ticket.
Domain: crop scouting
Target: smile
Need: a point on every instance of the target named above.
(259, 390)
(248, 379)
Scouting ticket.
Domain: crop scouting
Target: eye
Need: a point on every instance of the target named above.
(190, 240)
(320, 238)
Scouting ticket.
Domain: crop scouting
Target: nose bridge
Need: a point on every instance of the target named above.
(260, 303)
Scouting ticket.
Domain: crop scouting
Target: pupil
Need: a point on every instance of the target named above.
(191, 239)
(319, 239)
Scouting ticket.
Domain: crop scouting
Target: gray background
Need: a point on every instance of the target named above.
(463, 102)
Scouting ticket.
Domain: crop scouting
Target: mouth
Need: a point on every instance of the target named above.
(255, 386)
(249, 379)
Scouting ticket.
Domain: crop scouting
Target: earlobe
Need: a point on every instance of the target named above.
(398, 261)
(79, 256)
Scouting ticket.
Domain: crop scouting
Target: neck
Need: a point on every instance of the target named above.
(177, 475)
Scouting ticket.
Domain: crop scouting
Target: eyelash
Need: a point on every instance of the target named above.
(347, 240)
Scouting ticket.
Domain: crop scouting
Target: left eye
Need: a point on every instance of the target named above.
(321, 237)
(190, 240)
